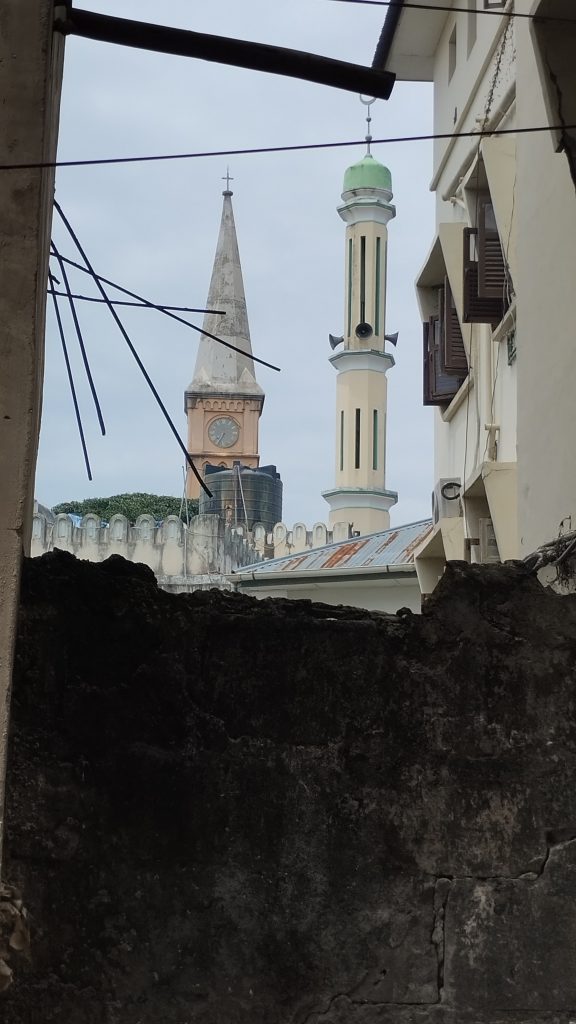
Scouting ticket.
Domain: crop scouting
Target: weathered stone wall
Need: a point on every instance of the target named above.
(225, 811)
(180, 556)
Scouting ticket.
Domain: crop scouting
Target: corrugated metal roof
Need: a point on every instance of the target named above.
(389, 547)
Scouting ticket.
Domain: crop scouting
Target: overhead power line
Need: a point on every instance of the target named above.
(500, 13)
(124, 333)
(276, 60)
(302, 147)
(78, 330)
(140, 305)
(256, 150)
(166, 310)
(70, 377)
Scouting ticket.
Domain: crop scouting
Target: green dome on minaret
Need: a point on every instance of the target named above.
(367, 173)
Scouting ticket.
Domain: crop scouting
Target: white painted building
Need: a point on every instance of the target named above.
(496, 287)
(375, 571)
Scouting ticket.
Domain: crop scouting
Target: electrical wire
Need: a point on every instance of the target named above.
(70, 379)
(55, 252)
(173, 316)
(139, 362)
(140, 305)
(301, 147)
(500, 13)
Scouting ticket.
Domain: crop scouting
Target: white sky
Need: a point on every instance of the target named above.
(153, 227)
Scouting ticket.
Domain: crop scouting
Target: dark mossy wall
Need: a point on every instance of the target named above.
(225, 811)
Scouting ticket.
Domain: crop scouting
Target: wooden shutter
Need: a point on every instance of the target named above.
(491, 266)
(477, 309)
(439, 386)
(454, 353)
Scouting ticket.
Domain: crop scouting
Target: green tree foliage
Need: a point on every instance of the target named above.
(130, 505)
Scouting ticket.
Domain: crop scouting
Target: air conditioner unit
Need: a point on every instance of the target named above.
(488, 549)
(446, 501)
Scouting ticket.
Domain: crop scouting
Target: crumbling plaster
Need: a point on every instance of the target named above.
(287, 813)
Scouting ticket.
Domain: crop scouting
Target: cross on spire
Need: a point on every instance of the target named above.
(227, 178)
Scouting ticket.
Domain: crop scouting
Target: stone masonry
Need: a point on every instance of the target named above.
(225, 811)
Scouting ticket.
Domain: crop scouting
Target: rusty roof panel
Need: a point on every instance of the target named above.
(389, 547)
(342, 553)
(293, 563)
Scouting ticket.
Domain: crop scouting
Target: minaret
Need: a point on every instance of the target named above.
(223, 403)
(360, 496)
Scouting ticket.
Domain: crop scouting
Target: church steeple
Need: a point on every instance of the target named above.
(218, 368)
(223, 402)
(360, 496)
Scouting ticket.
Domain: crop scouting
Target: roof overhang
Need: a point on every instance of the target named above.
(383, 574)
(409, 40)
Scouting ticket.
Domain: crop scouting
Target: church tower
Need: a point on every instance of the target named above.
(223, 402)
(360, 496)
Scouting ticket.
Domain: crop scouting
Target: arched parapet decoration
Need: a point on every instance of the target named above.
(319, 535)
(299, 537)
(172, 529)
(341, 531)
(259, 536)
(62, 533)
(90, 527)
(39, 529)
(280, 540)
(145, 528)
(280, 533)
(118, 529)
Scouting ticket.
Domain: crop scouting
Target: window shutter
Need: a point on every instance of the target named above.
(491, 266)
(454, 353)
(439, 386)
(477, 309)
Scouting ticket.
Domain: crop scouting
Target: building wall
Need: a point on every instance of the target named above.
(225, 810)
(546, 338)
(181, 557)
(31, 58)
(523, 375)
(476, 435)
(381, 595)
(174, 552)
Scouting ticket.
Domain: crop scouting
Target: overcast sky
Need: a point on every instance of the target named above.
(153, 227)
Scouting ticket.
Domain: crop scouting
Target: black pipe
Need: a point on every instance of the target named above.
(276, 60)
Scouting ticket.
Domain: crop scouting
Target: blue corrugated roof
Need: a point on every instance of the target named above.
(389, 547)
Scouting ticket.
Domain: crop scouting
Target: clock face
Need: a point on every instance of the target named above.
(224, 432)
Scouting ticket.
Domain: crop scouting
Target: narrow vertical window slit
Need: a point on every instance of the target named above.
(362, 278)
(375, 439)
(357, 441)
(377, 290)
(349, 287)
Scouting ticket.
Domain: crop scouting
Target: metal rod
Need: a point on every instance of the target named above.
(70, 379)
(80, 338)
(174, 316)
(140, 305)
(276, 60)
(139, 362)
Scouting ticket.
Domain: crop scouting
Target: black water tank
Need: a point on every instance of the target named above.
(243, 496)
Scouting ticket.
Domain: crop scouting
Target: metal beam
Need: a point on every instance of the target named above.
(276, 60)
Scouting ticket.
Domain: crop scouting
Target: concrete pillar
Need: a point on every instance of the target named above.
(30, 80)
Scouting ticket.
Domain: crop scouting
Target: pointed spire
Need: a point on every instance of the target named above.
(219, 369)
